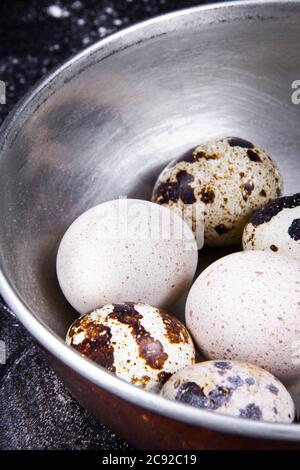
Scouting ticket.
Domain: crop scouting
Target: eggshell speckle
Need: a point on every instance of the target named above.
(276, 227)
(122, 250)
(232, 388)
(246, 306)
(139, 343)
(231, 177)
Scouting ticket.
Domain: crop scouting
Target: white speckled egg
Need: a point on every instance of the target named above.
(126, 249)
(246, 306)
(139, 343)
(232, 388)
(231, 177)
(276, 227)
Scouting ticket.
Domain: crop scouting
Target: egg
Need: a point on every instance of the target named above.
(126, 249)
(276, 227)
(139, 343)
(232, 388)
(229, 178)
(246, 306)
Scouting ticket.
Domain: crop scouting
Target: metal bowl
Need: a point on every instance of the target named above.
(103, 125)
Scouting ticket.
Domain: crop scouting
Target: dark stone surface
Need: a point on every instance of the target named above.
(36, 411)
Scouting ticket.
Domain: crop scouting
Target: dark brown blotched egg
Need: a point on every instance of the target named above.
(232, 388)
(139, 343)
(276, 227)
(227, 179)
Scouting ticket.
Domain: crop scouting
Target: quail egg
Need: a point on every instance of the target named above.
(276, 227)
(139, 343)
(228, 178)
(246, 306)
(126, 249)
(232, 388)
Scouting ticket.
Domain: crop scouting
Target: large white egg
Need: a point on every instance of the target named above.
(246, 306)
(126, 249)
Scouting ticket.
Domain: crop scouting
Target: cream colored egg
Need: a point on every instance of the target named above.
(139, 343)
(232, 388)
(246, 306)
(126, 250)
(276, 227)
(228, 179)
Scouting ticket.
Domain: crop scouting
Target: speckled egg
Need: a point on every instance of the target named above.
(232, 388)
(126, 249)
(276, 227)
(246, 306)
(139, 343)
(230, 178)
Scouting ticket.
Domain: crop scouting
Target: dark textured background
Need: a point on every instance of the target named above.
(36, 411)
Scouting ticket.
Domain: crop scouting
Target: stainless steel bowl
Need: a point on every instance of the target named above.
(103, 125)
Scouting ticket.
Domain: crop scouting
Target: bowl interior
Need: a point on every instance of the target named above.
(107, 123)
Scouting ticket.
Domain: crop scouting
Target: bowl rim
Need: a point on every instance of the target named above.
(49, 340)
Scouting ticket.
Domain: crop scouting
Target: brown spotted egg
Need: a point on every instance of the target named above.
(228, 178)
(139, 343)
(276, 227)
(246, 306)
(232, 388)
